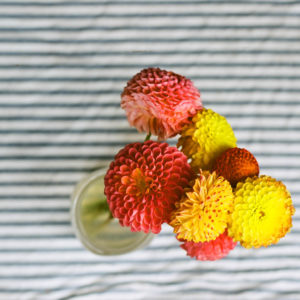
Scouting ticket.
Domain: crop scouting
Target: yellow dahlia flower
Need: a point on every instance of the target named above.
(205, 138)
(262, 212)
(204, 211)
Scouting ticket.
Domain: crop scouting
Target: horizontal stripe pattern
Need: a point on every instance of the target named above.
(63, 65)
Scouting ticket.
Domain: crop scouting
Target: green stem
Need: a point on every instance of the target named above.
(105, 223)
(148, 137)
(110, 217)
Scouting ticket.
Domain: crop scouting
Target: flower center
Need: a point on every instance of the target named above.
(261, 214)
(142, 182)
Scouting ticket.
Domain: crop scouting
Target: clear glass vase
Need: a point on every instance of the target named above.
(93, 223)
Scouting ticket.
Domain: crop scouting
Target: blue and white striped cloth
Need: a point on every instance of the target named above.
(63, 64)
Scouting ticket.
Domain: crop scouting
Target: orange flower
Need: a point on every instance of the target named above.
(236, 164)
(160, 102)
(143, 183)
(204, 211)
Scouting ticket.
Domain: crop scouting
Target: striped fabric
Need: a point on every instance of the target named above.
(63, 64)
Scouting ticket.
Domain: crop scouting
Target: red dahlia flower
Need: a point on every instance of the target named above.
(143, 183)
(160, 102)
(212, 250)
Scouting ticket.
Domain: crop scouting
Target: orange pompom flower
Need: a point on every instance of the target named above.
(236, 164)
(212, 250)
(160, 102)
(204, 211)
(143, 183)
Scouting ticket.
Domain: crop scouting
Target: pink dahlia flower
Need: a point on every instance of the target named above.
(160, 102)
(144, 182)
(211, 250)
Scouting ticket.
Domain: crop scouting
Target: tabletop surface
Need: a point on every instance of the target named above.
(63, 64)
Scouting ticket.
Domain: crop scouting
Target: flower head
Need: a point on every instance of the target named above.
(143, 183)
(203, 212)
(205, 138)
(262, 212)
(236, 164)
(160, 102)
(212, 250)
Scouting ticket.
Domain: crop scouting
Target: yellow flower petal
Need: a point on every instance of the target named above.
(262, 212)
(203, 213)
(205, 138)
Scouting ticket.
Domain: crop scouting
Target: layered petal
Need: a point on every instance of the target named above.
(203, 212)
(236, 164)
(160, 102)
(144, 182)
(212, 250)
(262, 212)
(205, 138)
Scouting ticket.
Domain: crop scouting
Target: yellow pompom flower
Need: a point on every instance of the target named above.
(204, 211)
(262, 212)
(205, 138)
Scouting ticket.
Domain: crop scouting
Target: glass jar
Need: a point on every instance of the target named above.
(93, 223)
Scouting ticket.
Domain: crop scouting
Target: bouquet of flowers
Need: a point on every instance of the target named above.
(206, 188)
